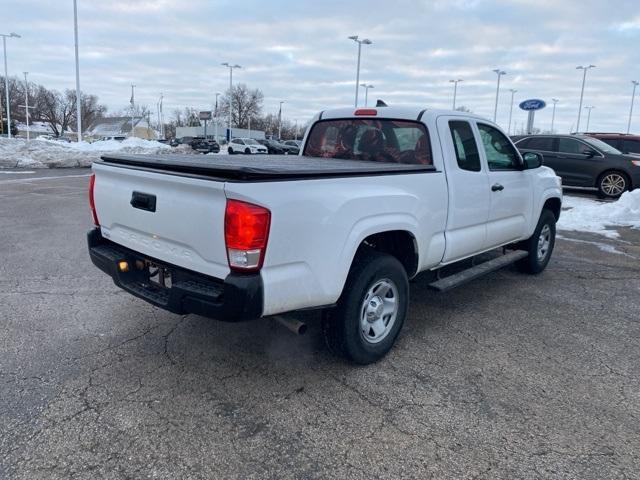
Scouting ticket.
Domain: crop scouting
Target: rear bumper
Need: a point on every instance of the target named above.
(237, 298)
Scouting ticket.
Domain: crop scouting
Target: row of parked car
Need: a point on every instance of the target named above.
(609, 162)
(247, 146)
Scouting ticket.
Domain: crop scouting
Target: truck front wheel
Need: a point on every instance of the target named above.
(371, 310)
(540, 244)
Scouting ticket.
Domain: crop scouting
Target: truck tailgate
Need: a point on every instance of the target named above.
(185, 227)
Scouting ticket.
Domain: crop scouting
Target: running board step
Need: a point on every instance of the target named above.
(452, 281)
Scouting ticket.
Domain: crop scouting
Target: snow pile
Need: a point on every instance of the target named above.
(586, 215)
(128, 145)
(16, 152)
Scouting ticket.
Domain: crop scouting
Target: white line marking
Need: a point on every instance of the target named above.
(27, 180)
(24, 172)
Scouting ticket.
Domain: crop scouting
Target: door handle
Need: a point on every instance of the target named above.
(496, 187)
(143, 201)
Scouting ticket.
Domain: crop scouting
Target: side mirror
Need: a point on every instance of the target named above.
(589, 153)
(532, 160)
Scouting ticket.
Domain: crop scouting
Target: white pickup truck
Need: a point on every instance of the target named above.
(377, 196)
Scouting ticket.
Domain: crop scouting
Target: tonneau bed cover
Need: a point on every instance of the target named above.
(262, 167)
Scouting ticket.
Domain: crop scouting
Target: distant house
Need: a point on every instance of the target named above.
(35, 129)
(118, 126)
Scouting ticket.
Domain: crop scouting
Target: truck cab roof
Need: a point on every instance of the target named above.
(411, 112)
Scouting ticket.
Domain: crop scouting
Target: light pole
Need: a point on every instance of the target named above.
(133, 110)
(366, 92)
(513, 92)
(499, 73)
(364, 41)
(584, 78)
(590, 107)
(78, 96)
(26, 103)
(553, 112)
(280, 121)
(6, 78)
(215, 115)
(230, 67)
(633, 96)
(455, 90)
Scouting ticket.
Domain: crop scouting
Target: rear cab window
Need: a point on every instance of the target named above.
(464, 144)
(377, 140)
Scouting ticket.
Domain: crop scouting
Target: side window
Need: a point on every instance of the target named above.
(500, 153)
(523, 143)
(631, 146)
(465, 146)
(610, 141)
(569, 145)
(541, 143)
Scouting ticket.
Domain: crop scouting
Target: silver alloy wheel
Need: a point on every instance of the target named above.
(379, 311)
(544, 242)
(613, 184)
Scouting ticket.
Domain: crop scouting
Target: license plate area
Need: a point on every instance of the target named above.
(158, 276)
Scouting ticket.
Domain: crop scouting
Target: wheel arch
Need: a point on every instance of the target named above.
(400, 244)
(554, 204)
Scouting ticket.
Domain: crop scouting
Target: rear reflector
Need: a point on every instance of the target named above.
(366, 111)
(92, 204)
(246, 230)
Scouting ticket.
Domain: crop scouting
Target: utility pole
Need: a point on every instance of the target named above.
(230, 67)
(495, 110)
(280, 121)
(78, 94)
(590, 107)
(511, 109)
(364, 41)
(366, 92)
(6, 78)
(133, 103)
(553, 113)
(455, 90)
(584, 78)
(633, 96)
(26, 103)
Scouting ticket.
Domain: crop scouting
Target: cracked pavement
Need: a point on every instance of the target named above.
(507, 377)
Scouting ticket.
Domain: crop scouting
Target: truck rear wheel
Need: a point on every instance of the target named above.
(540, 244)
(371, 310)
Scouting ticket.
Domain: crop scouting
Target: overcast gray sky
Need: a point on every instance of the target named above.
(298, 51)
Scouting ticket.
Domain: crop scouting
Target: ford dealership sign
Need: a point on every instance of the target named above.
(533, 104)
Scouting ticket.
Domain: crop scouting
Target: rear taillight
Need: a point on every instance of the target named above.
(246, 230)
(92, 203)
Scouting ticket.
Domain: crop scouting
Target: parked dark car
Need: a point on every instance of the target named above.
(584, 161)
(277, 148)
(293, 143)
(624, 142)
(204, 145)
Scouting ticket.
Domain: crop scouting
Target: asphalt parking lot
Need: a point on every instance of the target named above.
(511, 376)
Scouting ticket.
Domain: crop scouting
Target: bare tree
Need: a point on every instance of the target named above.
(245, 104)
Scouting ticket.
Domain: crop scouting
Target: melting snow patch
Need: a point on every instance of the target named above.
(586, 215)
(18, 153)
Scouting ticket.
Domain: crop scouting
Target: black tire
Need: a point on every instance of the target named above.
(230, 151)
(612, 184)
(341, 325)
(535, 263)
(247, 151)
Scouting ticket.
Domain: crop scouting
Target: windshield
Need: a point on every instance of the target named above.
(378, 140)
(250, 141)
(605, 147)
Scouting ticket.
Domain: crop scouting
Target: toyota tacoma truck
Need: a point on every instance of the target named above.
(377, 196)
